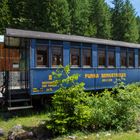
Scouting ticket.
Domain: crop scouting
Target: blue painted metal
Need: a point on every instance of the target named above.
(136, 58)
(33, 53)
(94, 56)
(94, 77)
(32, 62)
(66, 53)
(118, 57)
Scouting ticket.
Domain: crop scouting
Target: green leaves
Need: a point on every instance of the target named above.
(5, 16)
(125, 27)
(69, 102)
(75, 109)
(100, 17)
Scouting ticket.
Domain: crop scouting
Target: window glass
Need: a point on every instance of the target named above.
(123, 55)
(75, 57)
(57, 54)
(86, 57)
(111, 57)
(42, 57)
(101, 56)
(131, 58)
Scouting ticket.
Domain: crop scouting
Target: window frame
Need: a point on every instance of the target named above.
(90, 49)
(75, 66)
(51, 55)
(44, 46)
(102, 47)
(126, 59)
(111, 49)
(131, 50)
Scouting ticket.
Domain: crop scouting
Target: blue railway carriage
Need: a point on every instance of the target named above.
(99, 62)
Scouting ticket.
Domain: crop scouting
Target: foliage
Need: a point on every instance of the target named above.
(80, 17)
(56, 16)
(138, 23)
(69, 102)
(101, 18)
(5, 15)
(75, 109)
(117, 19)
(79, 14)
(124, 18)
(115, 111)
(129, 26)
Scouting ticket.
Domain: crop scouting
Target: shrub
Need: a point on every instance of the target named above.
(116, 111)
(69, 102)
(75, 109)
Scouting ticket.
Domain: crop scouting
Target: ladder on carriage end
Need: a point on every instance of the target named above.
(18, 100)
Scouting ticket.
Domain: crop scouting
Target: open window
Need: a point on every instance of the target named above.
(131, 57)
(123, 57)
(111, 57)
(42, 56)
(101, 56)
(75, 57)
(57, 56)
(86, 57)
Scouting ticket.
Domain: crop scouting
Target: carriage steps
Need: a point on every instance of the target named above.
(19, 101)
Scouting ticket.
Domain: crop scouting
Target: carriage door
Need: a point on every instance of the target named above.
(17, 64)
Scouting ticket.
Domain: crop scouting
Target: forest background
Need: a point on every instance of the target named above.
(93, 18)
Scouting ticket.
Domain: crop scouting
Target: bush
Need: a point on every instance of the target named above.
(75, 109)
(69, 101)
(117, 111)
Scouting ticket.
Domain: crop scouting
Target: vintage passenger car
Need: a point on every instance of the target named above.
(98, 61)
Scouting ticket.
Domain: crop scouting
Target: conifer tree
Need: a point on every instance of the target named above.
(5, 15)
(138, 23)
(56, 16)
(101, 18)
(79, 13)
(34, 14)
(129, 26)
(117, 19)
(18, 12)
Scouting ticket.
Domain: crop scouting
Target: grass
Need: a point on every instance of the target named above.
(132, 135)
(31, 119)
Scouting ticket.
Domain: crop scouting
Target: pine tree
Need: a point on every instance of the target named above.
(138, 23)
(117, 19)
(18, 12)
(56, 16)
(5, 15)
(101, 18)
(129, 26)
(34, 14)
(79, 13)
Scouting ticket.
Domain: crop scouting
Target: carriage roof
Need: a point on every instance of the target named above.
(62, 37)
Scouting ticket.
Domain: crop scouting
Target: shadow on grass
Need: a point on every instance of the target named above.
(7, 115)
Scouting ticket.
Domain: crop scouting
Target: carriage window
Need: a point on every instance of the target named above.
(123, 57)
(42, 57)
(75, 57)
(111, 57)
(131, 58)
(102, 56)
(57, 54)
(86, 57)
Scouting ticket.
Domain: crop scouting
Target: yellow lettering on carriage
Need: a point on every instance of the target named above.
(50, 77)
(91, 76)
(106, 75)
